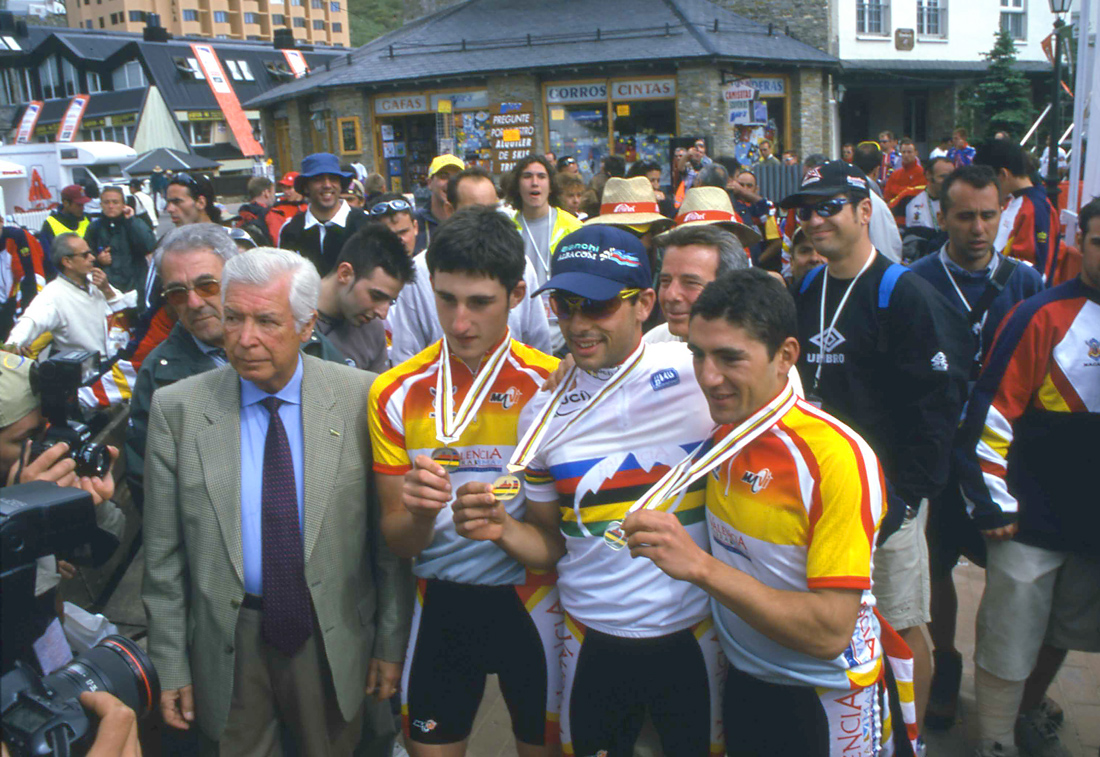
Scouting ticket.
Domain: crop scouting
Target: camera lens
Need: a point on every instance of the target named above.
(115, 665)
(92, 460)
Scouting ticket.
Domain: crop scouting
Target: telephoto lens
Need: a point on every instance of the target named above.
(116, 665)
(43, 716)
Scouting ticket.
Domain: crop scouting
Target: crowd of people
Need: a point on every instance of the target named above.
(671, 453)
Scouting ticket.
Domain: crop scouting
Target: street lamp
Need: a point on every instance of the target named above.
(1053, 178)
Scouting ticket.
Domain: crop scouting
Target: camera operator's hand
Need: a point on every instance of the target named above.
(51, 465)
(178, 707)
(117, 735)
(101, 489)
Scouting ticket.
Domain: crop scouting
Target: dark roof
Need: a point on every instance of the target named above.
(171, 159)
(942, 67)
(104, 51)
(480, 37)
(101, 104)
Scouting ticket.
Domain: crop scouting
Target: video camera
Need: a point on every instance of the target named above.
(42, 715)
(56, 382)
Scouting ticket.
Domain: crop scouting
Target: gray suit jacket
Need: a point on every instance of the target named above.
(194, 568)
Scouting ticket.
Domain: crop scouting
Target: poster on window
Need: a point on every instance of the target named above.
(387, 132)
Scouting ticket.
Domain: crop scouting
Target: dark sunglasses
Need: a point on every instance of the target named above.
(566, 161)
(565, 306)
(390, 206)
(825, 208)
(177, 295)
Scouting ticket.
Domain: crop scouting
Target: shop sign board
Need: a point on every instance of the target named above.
(476, 100)
(400, 104)
(589, 92)
(512, 136)
(643, 89)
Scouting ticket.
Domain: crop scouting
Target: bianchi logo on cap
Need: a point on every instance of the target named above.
(623, 207)
(622, 258)
(857, 181)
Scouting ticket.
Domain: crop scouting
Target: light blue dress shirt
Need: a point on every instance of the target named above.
(254, 422)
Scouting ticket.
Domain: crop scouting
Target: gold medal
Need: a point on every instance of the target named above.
(614, 536)
(506, 488)
(448, 457)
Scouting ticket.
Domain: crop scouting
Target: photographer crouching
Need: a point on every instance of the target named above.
(57, 499)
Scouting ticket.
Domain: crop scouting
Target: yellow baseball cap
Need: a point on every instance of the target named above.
(16, 397)
(445, 161)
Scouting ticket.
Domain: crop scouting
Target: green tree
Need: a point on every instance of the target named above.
(1001, 101)
(369, 19)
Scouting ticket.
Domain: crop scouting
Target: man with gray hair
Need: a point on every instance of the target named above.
(265, 615)
(74, 307)
(692, 256)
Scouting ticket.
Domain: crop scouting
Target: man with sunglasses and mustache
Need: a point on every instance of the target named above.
(189, 263)
(888, 355)
(74, 307)
(635, 639)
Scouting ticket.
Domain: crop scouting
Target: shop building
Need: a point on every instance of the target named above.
(491, 82)
(143, 93)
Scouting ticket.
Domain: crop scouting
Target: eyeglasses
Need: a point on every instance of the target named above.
(177, 294)
(825, 208)
(566, 306)
(390, 206)
(85, 254)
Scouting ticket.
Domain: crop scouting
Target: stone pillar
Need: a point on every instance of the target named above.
(344, 103)
(810, 127)
(700, 107)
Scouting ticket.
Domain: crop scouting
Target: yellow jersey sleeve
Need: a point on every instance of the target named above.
(387, 432)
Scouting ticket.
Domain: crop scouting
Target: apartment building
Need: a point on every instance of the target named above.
(313, 22)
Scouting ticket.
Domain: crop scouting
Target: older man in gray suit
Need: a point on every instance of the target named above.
(260, 522)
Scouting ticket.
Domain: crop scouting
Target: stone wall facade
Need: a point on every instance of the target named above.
(809, 20)
(811, 112)
(702, 112)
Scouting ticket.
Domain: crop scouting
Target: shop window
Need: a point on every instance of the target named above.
(201, 132)
(580, 130)
(1014, 18)
(350, 139)
(873, 17)
(644, 131)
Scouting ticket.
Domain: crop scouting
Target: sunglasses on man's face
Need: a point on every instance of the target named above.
(177, 294)
(390, 206)
(825, 208)
(565, 306)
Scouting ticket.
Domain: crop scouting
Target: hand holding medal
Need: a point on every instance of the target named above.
(426, 489)
(661, 537)
(479, 512)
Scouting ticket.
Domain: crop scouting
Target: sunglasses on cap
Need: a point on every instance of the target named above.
(177, 295)
(566, 161)
(825, 208)
(390, 206)
(565, 306)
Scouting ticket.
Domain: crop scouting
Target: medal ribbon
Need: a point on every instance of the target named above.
(700, 463)
(450, 425)
(532, 441)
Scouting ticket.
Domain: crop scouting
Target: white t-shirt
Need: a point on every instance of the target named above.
(414, 323)
(601, 465)
(921, 211)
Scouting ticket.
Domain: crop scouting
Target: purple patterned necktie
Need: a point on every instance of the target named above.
(287, 618)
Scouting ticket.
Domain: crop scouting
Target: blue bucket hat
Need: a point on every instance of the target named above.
(319, 164)
(598, 262)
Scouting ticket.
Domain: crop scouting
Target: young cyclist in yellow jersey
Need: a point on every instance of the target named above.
(636, 641)
(794, 499)
(444, 418)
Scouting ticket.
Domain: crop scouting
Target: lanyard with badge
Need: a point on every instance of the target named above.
(534, 440)
(815, 398)
(704, 459)
(450, 424)
(543, 261)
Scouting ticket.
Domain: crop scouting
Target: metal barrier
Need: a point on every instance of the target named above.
(31, 220)
(775, 180)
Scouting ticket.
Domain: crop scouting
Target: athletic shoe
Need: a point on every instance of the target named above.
(1037, 735)
(996, 749)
